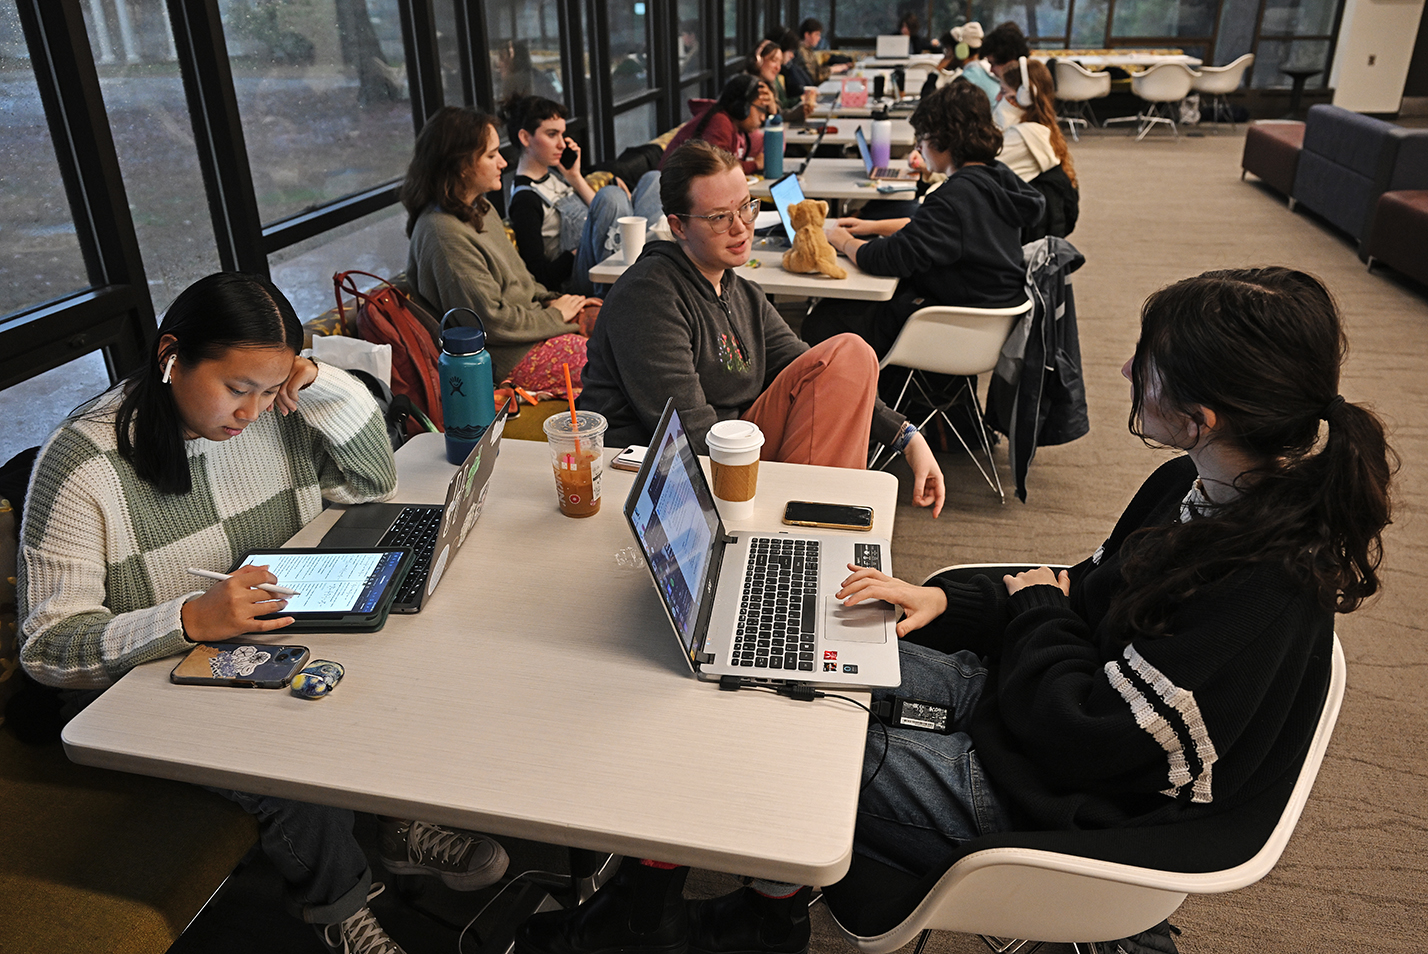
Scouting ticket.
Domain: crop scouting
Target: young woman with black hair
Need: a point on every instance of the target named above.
(1176, 673)
(183, 465)
(740, 109)
(563, 226)
(459, 254)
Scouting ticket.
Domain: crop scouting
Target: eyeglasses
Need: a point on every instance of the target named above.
(722, 222)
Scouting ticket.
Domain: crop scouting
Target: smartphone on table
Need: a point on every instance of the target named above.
(244, 665)
(806, 513)
(630, 458)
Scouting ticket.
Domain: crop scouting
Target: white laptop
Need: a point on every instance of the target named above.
(730, 617)
(893, 46)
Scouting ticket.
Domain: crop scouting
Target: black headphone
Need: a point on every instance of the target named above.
(741, 107)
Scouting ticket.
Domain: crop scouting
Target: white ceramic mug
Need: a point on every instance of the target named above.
(631, 236)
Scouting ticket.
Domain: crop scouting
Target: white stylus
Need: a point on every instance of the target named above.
(272, 588)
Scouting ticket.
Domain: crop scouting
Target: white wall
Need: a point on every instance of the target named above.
(1381, 31)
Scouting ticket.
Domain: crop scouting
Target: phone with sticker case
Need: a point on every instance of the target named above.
(239, 664)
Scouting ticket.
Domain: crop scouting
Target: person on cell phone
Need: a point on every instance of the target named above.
(225, 440)
(563, 226)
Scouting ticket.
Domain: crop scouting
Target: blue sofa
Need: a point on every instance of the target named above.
(1349, 160)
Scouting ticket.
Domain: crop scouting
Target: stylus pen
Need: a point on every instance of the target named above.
(272, 588)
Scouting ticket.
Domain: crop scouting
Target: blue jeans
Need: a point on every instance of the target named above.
(313, 848)
(609, 205)
(931, 794)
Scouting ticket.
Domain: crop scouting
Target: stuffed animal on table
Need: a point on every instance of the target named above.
(811, 252)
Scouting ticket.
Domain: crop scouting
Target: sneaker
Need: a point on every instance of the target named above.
(463, 861)
(359, 934)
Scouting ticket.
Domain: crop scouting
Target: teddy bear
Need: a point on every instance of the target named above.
(811, 252)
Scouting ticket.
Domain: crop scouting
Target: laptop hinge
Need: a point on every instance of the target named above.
(704, 659)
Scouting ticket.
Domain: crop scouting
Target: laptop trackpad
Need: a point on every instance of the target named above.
(865, 623)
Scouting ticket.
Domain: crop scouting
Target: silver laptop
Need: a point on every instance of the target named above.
(893, 46)
(433, 533)
(755, 604)
(878, 172)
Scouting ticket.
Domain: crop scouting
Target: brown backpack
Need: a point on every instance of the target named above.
(387, 315)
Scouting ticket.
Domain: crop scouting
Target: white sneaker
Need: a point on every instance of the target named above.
(360, 934)
(463, 860)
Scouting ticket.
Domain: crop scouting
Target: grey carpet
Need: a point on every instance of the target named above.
(1353, 876)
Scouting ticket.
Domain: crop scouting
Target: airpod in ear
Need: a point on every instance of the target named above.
(1026, 90)
(168, 368)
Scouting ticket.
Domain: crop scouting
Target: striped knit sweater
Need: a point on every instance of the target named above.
(1077, 729)
(104, 556)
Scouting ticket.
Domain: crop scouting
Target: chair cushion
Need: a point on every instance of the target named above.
(1272, 153)
(1399, 235)
(100, 860)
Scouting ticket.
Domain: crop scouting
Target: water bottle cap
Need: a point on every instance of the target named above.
(775, 120)
(463, 340)
(881, 113)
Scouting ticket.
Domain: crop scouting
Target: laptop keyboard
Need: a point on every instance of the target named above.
(779, 614)
(417, 528)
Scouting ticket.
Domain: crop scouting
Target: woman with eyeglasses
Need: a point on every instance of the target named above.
(740, 110)
(681, 323)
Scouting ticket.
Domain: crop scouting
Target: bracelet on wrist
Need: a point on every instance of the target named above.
(904, 437)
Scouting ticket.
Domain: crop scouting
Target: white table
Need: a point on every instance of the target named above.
(841, 134)
(769, 274)
(1092, 61)
(835, 179)
(540, 694)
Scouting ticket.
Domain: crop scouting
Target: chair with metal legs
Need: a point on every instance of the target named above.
(1076, 86)
(1215, 83)
(962, 342)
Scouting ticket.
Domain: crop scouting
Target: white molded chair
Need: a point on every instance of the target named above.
(1066, 887)
(963, 342)
(1076, 86)
(1215, 83)
(1162, 87)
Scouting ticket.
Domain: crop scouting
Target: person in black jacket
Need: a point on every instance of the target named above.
(1176, 673)
(962, 246)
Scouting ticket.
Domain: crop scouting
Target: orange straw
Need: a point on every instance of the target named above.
(570, 396)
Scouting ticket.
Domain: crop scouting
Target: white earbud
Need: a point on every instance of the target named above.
(168, 368)
(1026, 90)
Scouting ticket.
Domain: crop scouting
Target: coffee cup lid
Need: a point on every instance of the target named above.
(736, 435)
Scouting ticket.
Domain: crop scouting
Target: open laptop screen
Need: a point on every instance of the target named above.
(863, 150)
(674, 518)
(786, 193)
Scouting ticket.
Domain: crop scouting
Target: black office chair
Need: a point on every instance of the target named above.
(1069, 886)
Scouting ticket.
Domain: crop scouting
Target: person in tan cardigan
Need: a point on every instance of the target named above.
(460, 255)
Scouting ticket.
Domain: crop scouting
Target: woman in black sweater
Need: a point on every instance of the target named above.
(1175, 673)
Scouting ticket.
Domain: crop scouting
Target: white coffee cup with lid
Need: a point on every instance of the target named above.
(734, 466)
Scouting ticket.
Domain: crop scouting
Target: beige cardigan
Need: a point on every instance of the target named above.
(452, 265)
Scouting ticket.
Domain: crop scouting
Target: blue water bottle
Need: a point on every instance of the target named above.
(468, 402)
(773, 147)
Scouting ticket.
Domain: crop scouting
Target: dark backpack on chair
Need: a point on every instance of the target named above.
(387, 315)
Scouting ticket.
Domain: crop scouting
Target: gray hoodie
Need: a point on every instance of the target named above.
(663, 333)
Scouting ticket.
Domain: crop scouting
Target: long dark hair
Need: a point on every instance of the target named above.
(738, 96)
(440, 161)
(225, 310)
(1262, 348)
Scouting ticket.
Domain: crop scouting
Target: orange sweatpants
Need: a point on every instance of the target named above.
(819, 410)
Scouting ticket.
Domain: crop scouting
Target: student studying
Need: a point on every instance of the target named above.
(224, 442)
(1176, 673)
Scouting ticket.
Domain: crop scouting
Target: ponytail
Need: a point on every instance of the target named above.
(1262, 348)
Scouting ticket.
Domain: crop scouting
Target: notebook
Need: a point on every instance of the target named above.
(878, 172)
(433, 533)
(729, 617)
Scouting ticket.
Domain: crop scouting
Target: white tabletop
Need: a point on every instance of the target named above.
(540, 694)
(841, 133)
(837, 179)
(769, 275)
(1122, 59)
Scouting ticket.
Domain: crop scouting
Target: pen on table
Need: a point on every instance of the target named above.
(272, 588)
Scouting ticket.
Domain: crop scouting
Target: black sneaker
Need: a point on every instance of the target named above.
(746, 922)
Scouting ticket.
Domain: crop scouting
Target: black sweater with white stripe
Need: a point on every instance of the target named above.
(1077, 729)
